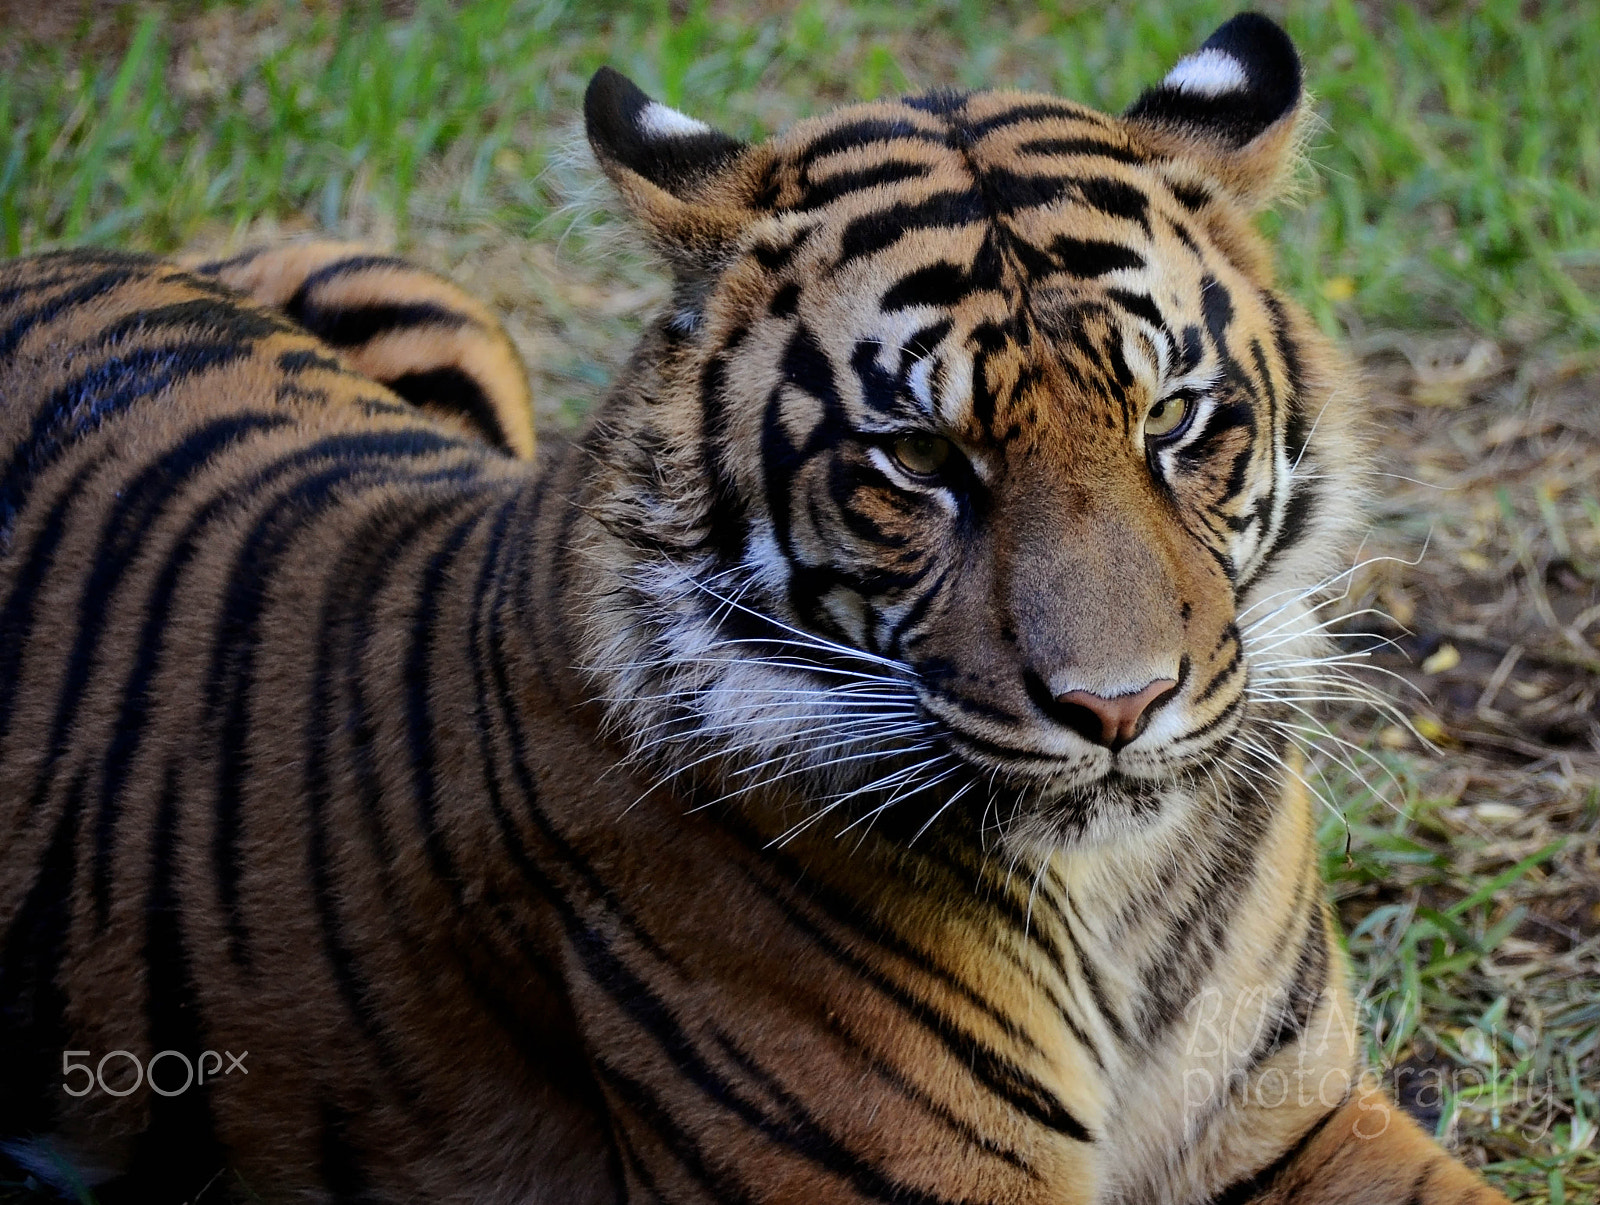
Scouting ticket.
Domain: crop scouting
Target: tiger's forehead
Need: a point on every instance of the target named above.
(977, 155)
(1033, 232)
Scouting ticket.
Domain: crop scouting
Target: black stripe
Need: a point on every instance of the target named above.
(776, 258)
(356, 263)
(1302, 994)
(87, 401)
(1001, 1076)
(140, 506)
(134, 713)
(799, 1131)
(455, 391)
(784, 301)
(872, 232)
(1091, 975)
(33, 1004)
(17, 616)
(1192, 197)
(348, 326)
(1221, 677)
(1419, 1185)
(639, 1100)
(345, 613)
(1081, 146)
(230, 681)
(862, 133)
(630, 992)
(213, 266)
(1058, 110)
(338, 1162)
(1117, 199)
(1089, 258)
(1253, 1187)
(419, 710)
(1140, 306)
(92, 616)
(1197, 929)
(95, 287)
(936, 284)
(941, 102)
(726, 521)
(1008, 191)
(846, 183)
(178, 1155)
(295, 362)
(202, 317)
(1297, 426)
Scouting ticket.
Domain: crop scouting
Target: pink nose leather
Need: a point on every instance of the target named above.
(1119, 717)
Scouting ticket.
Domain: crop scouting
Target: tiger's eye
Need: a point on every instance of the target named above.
(1166, 416)
(921, 454)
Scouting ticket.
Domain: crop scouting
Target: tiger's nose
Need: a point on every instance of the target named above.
(1114, 721)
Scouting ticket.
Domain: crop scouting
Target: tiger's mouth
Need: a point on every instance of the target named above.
(1096, 791)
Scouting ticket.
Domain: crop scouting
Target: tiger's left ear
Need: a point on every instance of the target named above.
(1231, 108)
(692, 187)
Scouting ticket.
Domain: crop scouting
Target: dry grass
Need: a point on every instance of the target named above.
(1489, 523)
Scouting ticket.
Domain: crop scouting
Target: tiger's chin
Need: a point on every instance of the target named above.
(1047, 816)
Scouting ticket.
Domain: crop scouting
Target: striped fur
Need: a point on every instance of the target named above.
(390, 320)
(698, 818)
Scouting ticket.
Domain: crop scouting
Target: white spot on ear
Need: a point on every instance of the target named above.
(1209, 72)
(658, 121)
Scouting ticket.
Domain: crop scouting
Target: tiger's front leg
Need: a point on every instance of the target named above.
(1340, 1139)
(1364, 1152)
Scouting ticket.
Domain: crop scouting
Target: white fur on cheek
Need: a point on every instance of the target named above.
(659, 121)
(1207, 73)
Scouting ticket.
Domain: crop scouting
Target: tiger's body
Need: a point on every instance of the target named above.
(842, 775)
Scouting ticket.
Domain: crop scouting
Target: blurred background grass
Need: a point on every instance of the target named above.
(1447, 228)
(1458, 159)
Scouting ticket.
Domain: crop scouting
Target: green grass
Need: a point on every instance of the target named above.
(1431, 908)
(1457, 159)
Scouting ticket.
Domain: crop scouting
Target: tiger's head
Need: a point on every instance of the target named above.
(976, 457)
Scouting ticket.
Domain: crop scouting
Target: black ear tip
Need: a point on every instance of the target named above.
(626, 127)
(611, 107)
(1243, 79)
(1261, 45)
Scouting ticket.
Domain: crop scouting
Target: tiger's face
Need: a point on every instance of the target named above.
(995, 409)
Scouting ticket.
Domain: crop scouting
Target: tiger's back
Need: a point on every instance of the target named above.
(206, 513)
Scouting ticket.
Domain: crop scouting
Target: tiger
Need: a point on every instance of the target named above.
(853, 769)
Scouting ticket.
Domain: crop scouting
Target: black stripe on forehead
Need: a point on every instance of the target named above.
(1097, 147)
(885, 391)
(1010, 191)
(873, 232)
(845, 183)
(1034, 109)
(866, 132)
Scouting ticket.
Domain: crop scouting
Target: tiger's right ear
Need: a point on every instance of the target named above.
(692, 187)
